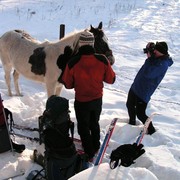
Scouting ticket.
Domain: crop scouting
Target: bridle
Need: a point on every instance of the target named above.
(101, 45)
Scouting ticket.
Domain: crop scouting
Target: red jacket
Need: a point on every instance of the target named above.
(86, 74)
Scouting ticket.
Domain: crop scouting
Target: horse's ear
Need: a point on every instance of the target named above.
(100, 25)
(92, 29)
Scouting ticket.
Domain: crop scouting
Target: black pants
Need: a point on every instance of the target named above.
(87, 115)
(137, 107)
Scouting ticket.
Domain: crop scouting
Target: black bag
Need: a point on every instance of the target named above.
(4, 135)
(4, 140)
(6, 143)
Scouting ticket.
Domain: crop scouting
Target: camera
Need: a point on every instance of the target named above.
(149, 49)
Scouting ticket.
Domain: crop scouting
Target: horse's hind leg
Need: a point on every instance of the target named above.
(7, 78)
(16, 78)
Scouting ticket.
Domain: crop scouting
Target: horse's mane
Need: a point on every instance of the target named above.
(76, 34)
(72, 33)
(26, 35)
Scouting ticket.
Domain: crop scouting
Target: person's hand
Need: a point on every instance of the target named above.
(150, 48)
(149, 44)
(127, 153)
(64, 58)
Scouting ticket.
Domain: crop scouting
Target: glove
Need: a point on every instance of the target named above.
(64, 58)
(127, 153)
(150, 45)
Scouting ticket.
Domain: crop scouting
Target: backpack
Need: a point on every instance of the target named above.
(81, 163)
(2, 119)
(36, 175)
(55, 114)
(5, 144)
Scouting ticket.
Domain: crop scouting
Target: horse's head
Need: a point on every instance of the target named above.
(101, 43)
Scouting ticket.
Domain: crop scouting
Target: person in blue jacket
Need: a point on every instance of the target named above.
(146, 81)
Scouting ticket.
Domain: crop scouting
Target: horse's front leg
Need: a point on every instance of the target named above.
(16, 84)
(58, 89)
(50, 87)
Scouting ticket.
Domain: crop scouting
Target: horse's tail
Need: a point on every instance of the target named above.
(1, 39)
(0, 46)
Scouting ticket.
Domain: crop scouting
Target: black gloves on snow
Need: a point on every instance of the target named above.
(127, 153)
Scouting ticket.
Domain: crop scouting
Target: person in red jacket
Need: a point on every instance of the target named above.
(86, 73)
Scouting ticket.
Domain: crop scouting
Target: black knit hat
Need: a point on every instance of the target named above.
(162, 47)
(57, 105)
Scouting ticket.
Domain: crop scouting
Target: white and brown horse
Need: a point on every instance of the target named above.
(38, 61)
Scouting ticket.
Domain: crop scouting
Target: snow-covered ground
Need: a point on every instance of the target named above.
(129, 26)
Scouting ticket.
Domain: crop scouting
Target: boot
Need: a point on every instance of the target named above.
(19, 148)
(151, 129)
(38, 158)
(132, 122)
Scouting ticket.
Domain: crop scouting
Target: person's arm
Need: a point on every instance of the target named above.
(149, 46)
(110, 76)
(67, 78)
(156, 70)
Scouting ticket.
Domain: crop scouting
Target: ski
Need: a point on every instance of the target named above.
(25, 136)
(21, 127)
(78, 145)
(144, 130)
(105, 142)
(76, 141)
(21, 173)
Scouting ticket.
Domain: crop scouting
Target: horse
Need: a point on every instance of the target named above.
(37, 60)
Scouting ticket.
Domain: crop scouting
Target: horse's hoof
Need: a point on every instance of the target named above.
(21, 95)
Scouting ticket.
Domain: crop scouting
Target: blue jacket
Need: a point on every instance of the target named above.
(149, 76)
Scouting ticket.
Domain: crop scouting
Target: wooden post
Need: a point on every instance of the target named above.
(62, 31)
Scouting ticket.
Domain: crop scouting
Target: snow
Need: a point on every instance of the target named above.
(129, 26)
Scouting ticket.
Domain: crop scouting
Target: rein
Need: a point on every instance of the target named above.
(108, 53)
